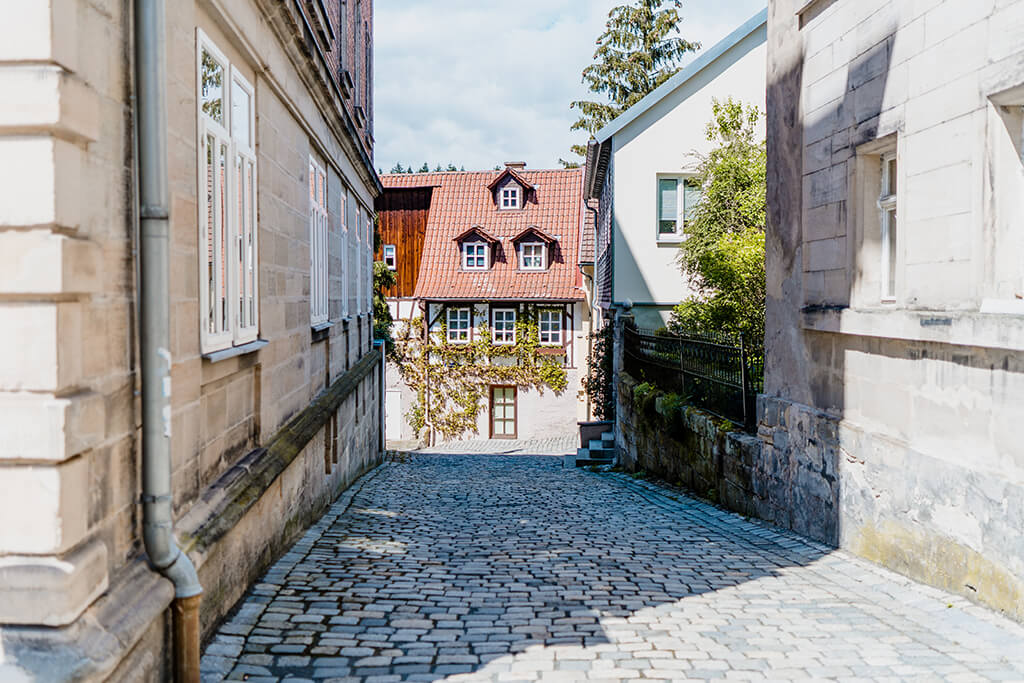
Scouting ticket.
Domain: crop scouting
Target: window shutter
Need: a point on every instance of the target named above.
(667, 194)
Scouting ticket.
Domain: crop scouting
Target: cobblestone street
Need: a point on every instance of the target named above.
(487, 567)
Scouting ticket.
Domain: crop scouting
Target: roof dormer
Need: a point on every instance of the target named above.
(534, 249)
(476, 248)
(510, 190)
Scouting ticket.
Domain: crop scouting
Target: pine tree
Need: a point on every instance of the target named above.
(397, 168)
(425, 168)
(634, 55)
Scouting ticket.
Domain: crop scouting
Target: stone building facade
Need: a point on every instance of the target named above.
(275, 383)
(894, 383)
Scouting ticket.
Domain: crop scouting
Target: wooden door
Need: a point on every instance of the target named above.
(503, 413)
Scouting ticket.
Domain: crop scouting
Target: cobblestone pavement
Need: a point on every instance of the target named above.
(555, 445)
(462, 568)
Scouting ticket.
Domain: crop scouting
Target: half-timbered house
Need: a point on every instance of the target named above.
(476, 251)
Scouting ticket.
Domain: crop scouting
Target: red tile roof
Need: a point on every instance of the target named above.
(462, 200)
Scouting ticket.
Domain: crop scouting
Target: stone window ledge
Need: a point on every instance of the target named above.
(321, 331)
(252, 346)
(960, 328)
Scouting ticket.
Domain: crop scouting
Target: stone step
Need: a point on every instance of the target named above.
(586, 456)
(600, 445)
(608, 436)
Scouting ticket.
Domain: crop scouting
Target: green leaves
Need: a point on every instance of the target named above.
(723, 254)
(634, 55)
(459, 374)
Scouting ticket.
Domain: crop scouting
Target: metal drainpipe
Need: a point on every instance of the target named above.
(154, 333)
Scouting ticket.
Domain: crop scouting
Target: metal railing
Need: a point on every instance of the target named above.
(716, 373)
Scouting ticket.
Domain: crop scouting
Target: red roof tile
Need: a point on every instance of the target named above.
(462, 200)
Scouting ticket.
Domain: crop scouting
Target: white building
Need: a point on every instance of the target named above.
(638, 166)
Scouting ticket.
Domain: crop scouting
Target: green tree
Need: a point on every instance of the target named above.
(636, 53)
(425, 168)
(723, 253)
(383, 278)
(397, 168)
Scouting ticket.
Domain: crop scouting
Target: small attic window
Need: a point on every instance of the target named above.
(532, 256)
(509, 197)
(474, 256)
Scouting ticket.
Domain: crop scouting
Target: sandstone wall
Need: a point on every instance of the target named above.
(262, 437)
(908, 402)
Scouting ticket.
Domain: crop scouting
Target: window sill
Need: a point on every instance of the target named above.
(960, 328)
(346, 83)
(321, 331)
(669, 241)
(551, 350)
(234, 351)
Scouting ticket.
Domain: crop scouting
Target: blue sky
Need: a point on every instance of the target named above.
(477, 83)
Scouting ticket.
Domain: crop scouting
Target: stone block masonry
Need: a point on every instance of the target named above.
(834, 482)
(270, 420)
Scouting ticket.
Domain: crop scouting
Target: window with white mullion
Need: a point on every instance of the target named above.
(347, 204)
(549, 327)
(532, 256)
(458, 325)
(887, 207)
(318, 217)
(510, 197)
(214, 172)
(677, 199)
(368, 260)
(474, 256)
(226, 165)
(246, 288)
(504, 327)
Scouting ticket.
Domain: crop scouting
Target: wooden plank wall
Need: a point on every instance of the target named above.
(403, 222)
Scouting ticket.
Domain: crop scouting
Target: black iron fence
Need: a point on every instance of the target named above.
(714, 372)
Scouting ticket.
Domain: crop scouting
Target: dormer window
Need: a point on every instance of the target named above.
(510, 190)
(475, 248)
(532, 256)
(535, 249)
(510, 197)
(474, 256)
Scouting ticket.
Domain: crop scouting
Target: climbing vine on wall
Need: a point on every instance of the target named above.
(452, 380)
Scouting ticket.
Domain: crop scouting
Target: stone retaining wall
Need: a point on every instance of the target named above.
(820, 476)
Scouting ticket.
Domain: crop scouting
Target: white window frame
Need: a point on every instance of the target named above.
(319, 312)
(889, 242)
(506, 334)
(484, 252)
(368, 258)
(390, 259)
(523, 256)
(555, 334)
(457, 334)
(511, 199)
(236, 190)
(682, 209)
(359, 259)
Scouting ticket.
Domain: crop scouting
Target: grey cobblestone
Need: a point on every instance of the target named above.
(488, 568)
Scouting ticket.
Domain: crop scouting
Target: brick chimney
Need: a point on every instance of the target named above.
(515, 165)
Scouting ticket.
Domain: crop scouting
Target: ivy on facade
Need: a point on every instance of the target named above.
(452, 380)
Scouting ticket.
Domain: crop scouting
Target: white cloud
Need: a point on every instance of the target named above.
(479, 83)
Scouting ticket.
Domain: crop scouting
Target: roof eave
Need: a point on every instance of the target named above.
(684, 74)
(598, 154)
